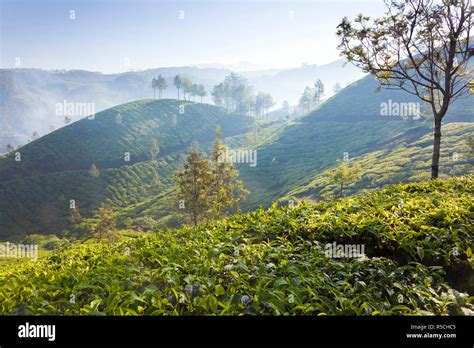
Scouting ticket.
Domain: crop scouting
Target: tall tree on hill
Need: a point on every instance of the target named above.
(234, 93)
(421, 47)
(161, 84)
(344, 175)
(106, 229)
(154, 85)
(178, 83)
(201, 92)
(192, 184)
(336, 88)
(258, 107)
(263, 101)
(247, 105)
(318, 92)
(301, 103)
(267, 103)
(194, 90)
(10, 148)
(187, 86)
(225, 190)
(307, 98)
(242, 98)
(218, 94)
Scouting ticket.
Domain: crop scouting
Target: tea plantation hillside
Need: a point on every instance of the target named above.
(292, 160)
(105, 138)
(389, 151)
(35, 192)
(417, 239)
(402, 159)
(362, 100)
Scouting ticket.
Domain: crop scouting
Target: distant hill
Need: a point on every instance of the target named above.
(28, 97)
(289, 84)
(364, 100)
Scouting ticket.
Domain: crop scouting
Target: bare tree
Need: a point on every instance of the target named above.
(419, 46)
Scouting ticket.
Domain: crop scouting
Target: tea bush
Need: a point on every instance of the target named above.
(272, 262)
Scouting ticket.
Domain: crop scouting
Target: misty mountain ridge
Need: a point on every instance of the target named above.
(29, 96)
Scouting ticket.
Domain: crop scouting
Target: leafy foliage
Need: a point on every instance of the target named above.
(271, 262)
(345, 174)
(192, 182)
(106, 229)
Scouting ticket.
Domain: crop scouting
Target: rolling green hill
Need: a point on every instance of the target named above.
(390, 151)
(35, 193)
(28, 97)
(126, 128)
(292, 159)
(361, 101)
(417, 259)
(401, 159)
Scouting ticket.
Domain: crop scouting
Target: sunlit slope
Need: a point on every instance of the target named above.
(307, 148)
(128, 128)
(349, 125)
(402, 159)
(362, 100)
(292, 161)
(36, 192)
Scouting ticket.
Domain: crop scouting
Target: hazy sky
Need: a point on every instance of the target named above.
(117, 35)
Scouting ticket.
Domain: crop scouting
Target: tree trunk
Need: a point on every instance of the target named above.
(154, 93)
(342, 184)
(178, 93)
(436, 148)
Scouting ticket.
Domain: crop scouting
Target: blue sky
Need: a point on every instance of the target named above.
(115, 36)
